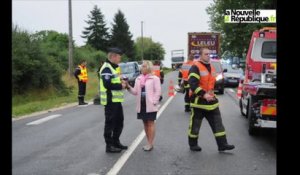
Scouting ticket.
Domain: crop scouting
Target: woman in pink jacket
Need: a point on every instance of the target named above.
(147, 88)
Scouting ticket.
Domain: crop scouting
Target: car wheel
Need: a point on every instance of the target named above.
(241, 107)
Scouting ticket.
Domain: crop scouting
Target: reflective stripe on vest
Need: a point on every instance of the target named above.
(83, 74)
(117, 95)
(206, 82)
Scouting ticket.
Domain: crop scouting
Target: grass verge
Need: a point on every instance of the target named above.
(40, 100)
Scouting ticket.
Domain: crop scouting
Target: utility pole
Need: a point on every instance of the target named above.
(142, 42)
(70, 40)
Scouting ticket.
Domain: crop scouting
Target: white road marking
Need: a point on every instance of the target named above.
(44, 119)
(122, 160)
(231, 90)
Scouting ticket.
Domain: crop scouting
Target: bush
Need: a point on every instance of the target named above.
(91, 55)
(31, 68)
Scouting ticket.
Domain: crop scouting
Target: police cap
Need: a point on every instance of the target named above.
(115, 50)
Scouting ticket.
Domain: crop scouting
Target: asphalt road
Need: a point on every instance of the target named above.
(72, 143)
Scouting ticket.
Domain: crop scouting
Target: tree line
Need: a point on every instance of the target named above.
(40, 59)
(235, 37)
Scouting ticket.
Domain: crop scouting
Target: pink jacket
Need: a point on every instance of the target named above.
(153, 92)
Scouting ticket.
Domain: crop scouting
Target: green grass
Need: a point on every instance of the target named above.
(167, 70)
(40, 100)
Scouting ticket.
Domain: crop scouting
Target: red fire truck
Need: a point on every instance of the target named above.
(258, 98)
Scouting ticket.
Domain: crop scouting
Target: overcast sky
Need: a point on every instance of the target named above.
(166, 21)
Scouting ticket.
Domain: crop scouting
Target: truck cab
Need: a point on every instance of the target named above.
(258, 98)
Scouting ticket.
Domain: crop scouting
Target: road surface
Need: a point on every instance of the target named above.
(70, 142)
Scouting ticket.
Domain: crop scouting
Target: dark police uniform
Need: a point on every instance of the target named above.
(111, 96)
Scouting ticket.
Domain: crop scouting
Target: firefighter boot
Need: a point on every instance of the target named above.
(193, 142)
(223, 145)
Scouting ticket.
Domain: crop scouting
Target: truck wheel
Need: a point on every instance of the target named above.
(252, 130)
(241, 107)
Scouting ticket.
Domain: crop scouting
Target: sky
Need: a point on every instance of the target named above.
(165, 21)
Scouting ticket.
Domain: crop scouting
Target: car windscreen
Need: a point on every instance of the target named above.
(127, 68)
(217, 66)
(269, 49)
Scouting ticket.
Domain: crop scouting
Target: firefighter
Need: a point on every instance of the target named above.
(183, 80)
(111, 96)
(202, 78)
(82, 78)
(157, 70)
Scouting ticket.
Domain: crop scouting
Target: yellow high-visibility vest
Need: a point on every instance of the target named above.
(83, 76)
(117, 95)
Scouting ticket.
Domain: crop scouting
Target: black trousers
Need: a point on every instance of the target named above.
(214, 119)
(187, 98)
(81, 89)
(114, 119)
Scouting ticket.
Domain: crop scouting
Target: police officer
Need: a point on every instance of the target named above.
(111, 96)
(183, 76)
(202, 78)
(82, 78)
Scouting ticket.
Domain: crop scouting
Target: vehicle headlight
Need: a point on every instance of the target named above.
(270, 78)
(219, 77)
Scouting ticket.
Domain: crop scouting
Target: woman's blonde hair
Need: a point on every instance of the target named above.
(149, 66)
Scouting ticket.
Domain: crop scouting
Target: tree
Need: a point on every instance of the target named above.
(152, 50)
(235, 37)
(96, 33)
(54, 45)
(31, 67)
(121, 36)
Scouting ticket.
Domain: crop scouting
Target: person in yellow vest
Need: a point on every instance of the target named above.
(202, 78)
(112, 96)
(82, 78)
(183, 77)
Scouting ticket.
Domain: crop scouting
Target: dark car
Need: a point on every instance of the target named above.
(219, 86)
(130, 70)
(233, 75)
